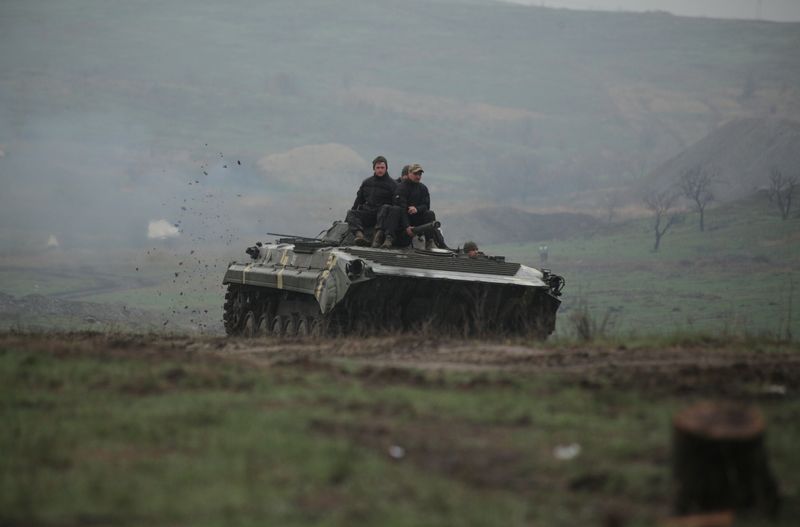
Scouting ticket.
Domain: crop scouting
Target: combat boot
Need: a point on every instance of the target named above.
(360, 240)
(377, 240)
(388, 242)
(429, 244)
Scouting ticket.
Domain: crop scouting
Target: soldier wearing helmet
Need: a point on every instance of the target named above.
(470, 249)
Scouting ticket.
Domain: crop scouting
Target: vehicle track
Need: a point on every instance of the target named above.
(423, 353)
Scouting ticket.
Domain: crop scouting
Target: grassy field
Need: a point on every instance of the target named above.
(740, 276)
(111, 430)
(21, 281)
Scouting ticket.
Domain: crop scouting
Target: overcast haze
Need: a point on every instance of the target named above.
(778, 10)
(232, 120)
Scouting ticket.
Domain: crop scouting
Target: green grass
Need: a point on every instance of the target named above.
(740, 276)
(21, 282)
(163, 297)
(125, 438)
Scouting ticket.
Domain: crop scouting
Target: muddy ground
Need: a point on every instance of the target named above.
(483, 416)
(711, 367)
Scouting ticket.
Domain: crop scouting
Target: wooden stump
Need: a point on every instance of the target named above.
(719, 460)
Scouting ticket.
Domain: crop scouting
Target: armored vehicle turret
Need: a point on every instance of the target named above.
(328, 286)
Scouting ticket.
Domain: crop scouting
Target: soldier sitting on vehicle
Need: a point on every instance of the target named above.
(412, 208)
(373, 201)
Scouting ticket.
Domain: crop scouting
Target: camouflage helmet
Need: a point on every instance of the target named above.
(470, 246)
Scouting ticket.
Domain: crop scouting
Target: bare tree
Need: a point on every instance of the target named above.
(695, 184)
(781, 190)
(661, 205)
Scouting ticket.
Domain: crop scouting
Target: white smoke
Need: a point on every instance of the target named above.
(161, 230)
(52, 242)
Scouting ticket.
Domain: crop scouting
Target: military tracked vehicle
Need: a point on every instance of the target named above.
(298, 286)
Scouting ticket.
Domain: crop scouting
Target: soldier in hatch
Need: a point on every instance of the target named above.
(414, 202)
(470, 249)
(373, 201)
(403, 174)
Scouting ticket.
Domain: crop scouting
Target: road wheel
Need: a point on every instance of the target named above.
(233, 310)
(316, 327)
(262, 327)
(304, 327)
(249, 325)
(278, 326)
(290, 329)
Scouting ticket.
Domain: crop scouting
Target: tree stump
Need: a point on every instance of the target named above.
(719, 460)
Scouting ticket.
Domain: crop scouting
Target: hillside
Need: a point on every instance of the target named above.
(502, 104)
(506, 225)
(745, 151)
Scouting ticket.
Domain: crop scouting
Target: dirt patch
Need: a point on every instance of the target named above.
(395, 375)
(487, 462)
(713, 369)
(738, 379)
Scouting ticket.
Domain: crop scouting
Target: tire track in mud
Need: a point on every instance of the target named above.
(426, 354)
(454, 355)
(699, 370)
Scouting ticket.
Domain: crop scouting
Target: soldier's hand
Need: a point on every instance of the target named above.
(410, 232)
(412, 210)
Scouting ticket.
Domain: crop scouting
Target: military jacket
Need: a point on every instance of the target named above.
(410, 194)
(374, 192)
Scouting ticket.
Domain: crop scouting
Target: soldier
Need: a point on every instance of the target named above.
(373, 201)
(471, 249)
(414, 201)
(403, 175)
(391, 216)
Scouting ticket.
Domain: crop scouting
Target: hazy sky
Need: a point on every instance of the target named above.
(779, 10)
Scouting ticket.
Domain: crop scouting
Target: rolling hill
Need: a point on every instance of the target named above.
(502, 104)
(745, 151)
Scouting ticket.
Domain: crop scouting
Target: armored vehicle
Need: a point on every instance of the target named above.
(329, 286)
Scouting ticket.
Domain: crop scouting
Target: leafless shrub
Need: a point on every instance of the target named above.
(588, 328)
(695, 184)
(781, 190)
(661, 203)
